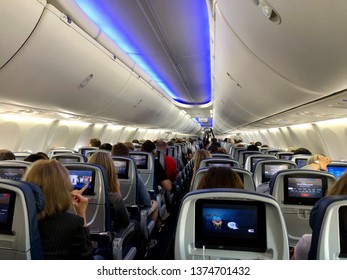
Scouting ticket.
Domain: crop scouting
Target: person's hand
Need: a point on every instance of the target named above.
(80, 203)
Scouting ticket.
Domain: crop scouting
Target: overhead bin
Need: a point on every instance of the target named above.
(18, 19)
(61, 68)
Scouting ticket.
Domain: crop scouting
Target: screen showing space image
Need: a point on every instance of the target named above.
(337, 171)
(13, 173)
(140, 160)
(122, 168)
(269, 170)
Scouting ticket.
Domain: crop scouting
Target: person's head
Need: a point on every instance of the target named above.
(120, 149)
(6, 155)
(302, 247)
(161, 145)
(199, 156)
(94, 142)
(136, 141)
(319, 161)
(220, 177)
(130, 146)
(339, 188)
(105, 160)
(302, 151)
(54, 180)
(43, 154)
(34, 157)
(149, 147)
(106, 146)
(252, 148)
(258, 144)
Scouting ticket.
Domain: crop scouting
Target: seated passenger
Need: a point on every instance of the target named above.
(64, 236)
(170, 164)
(220, 177)
(198, 157)
(119, 215)
(301, 151)
(94, 142)
(6, 155)
(317, 162)
(34, 157)
(106, 147)
(144, 198)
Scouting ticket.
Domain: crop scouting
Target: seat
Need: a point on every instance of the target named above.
(21, 155)
(300, 160)
(61, 150)
(273, 151)
(69, 158)
(236, 151)
(13, 171)
(337, 168)
(216, 224)
(221, 155)
(296, 191)
(85, 149)
(284, 155)
(145, 168)
(245, 176)
(98, 212)
(251, 160)
(329, 229)
(128, 176)
(264, 170)
(219, 162)
(20, 202)
(244, 154)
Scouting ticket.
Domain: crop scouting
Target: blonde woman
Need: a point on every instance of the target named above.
(63, 235)
(198, 157)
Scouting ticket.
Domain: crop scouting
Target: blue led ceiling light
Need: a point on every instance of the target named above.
(99, 14)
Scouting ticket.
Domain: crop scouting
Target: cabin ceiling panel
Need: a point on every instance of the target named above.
(245, 85)
(308, 47)
(17, 20)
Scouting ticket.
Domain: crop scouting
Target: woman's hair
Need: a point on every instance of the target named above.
(220, 177)
(105, 160)
(54, 180)
(198, 157)
(339, 188)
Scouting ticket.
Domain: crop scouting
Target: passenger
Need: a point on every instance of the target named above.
(130, 146)
(302, 151)
(170, 164)
(198, 157)
(94, 142)
(220, 177)
(302, 248)
(34, 157)
(119, 214)
(160, 177)
(317, 162)
(6, 155)
(252, 148)
(144, 198)
(64, 235)
(43, 154)
(106, 147)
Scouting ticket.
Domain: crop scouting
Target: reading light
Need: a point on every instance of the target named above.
(269, 12)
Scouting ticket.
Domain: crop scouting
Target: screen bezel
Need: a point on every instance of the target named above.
(90, 190)
(12, 167)
(210, 241)
(124, 175)
(6, 227)
(264, 179)
(140, 166)
(308, 201)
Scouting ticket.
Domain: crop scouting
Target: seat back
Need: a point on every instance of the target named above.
(218, 162)
(69, 158)
(285, 155)
(230, 224)
(264, 170)
(251, 160)
(245, 176)
(145, 167)
(337, 168)
(221, 155)
(127, 175)
(300, 160)
(243, 155)
(61, 150)
(329, 229)
(21, 155)
(98, 210)
(12, 170)
(20, 202)
(296, 191)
